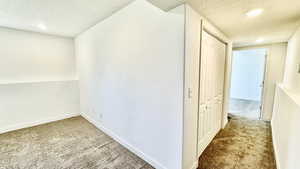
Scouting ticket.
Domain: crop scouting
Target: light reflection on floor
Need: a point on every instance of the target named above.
(245, 108)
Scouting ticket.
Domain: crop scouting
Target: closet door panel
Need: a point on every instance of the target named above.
(221, 62)
(204, 119)
(212, 71)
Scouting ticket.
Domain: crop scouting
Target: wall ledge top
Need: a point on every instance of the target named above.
(293, 95)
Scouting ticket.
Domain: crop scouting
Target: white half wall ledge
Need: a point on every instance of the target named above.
(37, 81)
(285, 128)
(124, 143)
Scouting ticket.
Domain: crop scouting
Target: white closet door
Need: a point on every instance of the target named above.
(212, 72)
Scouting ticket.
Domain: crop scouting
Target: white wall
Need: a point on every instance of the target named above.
(131, 83)
(29, 104)
(286, 112)
(247, 74)
(30, 57)
(291, 76)
(192, 62)
(285, 128)
(37, 79)
(274, 74)
(194, 24)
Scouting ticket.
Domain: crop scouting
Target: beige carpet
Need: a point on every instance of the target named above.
(68, 144)
(243, 144)
(76, 144)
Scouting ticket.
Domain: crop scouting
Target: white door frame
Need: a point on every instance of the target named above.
(210, 29)
(264, 88)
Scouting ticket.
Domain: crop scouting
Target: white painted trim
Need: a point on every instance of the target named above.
(195, 165)
(124, 143)
(39, 81)
(35, 123)
(275, 147)
(225, 121)
(214, 31)
(294, 97)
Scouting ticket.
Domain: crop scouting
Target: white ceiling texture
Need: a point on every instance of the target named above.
(277, 22)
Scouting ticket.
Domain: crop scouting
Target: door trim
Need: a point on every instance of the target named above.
(263, 91)
(209, 138)
(211, 30)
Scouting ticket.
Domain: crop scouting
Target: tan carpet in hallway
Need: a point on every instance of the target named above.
(68, 144)
(243, 144)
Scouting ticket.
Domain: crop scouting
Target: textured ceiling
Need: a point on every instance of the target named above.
(276, 24)
(61, 17)
(70, 17)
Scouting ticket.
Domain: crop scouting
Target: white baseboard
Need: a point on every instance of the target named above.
(124, 143)
(195, 165)
(225, 121)
(35, 123)
(275, 147)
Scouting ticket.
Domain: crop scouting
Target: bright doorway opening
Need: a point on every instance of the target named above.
(247, 82)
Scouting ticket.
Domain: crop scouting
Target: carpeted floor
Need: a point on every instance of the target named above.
(68, 144)
(243, 144)
(76, 144)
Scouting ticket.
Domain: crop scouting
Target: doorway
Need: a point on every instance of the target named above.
(247, 82)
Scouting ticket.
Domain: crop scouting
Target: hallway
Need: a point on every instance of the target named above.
(150, 84)
(243, 144)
